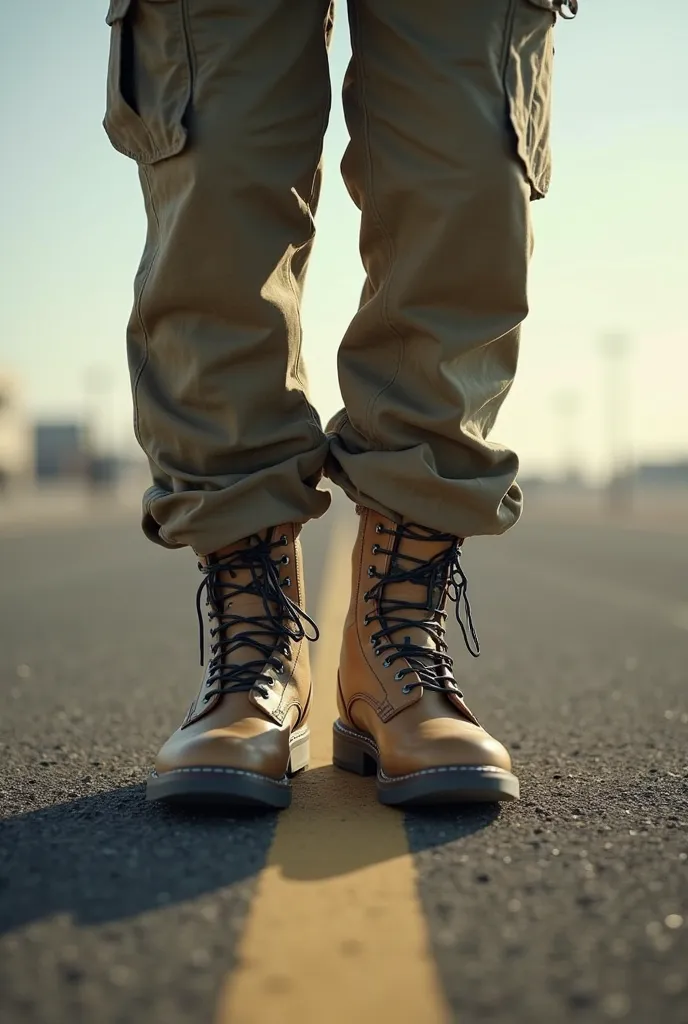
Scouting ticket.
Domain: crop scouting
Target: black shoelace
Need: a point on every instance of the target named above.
(443, 578)
(268, 634)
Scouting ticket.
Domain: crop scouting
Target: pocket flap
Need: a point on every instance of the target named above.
(117, 11)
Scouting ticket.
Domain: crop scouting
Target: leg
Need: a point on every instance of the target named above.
(448, 108)
(224, 106)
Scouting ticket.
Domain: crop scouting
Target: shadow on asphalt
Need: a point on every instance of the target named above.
(338, 827)
(112, 856)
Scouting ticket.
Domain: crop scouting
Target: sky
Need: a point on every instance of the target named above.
(611, 238)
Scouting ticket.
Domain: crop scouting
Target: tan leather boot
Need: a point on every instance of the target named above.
(246, 731)
(402, 714)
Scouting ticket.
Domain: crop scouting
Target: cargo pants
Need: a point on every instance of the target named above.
(223, 105)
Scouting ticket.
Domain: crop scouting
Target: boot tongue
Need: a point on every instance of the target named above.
(243, 605)
(409, 555)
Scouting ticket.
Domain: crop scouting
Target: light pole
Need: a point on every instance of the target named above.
(615, 349)
(98, 391)
(566, 408)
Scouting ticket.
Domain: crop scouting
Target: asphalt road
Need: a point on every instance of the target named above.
(571, 906)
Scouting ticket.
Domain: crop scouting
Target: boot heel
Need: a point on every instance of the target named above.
(300, 754)
(349, 754)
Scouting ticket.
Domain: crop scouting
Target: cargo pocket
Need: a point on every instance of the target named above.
(149, 79)
(528, 83)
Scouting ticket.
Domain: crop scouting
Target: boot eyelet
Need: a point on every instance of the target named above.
(366, 620)
(398, 676)
(379, 528)
(366, 596)
(377, 653)
(376, 549)
(207, 698)
(371, 571)
(284, 559)
(386, 663)
(284, 540)
(280, 670)
(286, 651)
(406, 688)
(287, 581)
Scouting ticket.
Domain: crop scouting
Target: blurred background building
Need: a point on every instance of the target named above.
(61, 451)
(16, 443)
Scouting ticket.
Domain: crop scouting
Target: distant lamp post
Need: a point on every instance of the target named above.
(98, 392)
(615, 349)
(567, 406)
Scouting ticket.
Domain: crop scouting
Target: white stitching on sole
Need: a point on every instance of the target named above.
(460, 769)
(481, 769)
(221, 771)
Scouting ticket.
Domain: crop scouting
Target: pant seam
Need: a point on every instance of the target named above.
(508, 32)
(191, 55)
(384, 290)
(139, 314)
(314, 421)
(146, 176)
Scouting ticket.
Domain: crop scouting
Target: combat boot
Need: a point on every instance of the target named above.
(247, 730)
(402, 714)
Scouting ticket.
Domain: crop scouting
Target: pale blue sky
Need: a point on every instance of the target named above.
(612, 237)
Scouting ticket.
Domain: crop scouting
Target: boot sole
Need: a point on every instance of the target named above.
(215, 786)
(357, 752)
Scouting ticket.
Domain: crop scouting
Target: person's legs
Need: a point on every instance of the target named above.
(224, 105)
(448, 110)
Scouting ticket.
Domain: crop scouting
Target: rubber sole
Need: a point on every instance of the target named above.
(214, 785)
(357, 752)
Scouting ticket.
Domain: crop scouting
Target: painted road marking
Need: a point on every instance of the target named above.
(335, 934)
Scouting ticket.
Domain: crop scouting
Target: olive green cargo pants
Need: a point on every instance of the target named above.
(223, 104)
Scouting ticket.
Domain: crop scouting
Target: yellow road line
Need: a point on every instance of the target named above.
(335, 933)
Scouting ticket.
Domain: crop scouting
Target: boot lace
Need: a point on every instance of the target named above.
(442, 577)
(268, 634)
